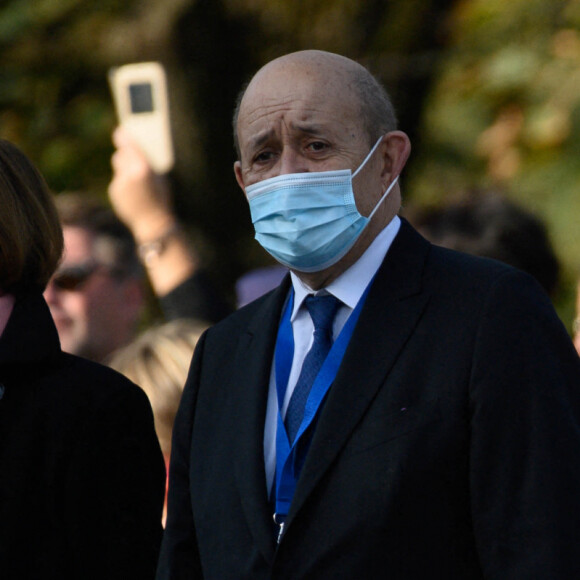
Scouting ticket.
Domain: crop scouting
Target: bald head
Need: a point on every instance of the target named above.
(314, 111)
(331, 73)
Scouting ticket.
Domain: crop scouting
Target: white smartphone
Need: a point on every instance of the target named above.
(142, 105)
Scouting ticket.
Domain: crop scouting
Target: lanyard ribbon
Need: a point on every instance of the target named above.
(288, 460)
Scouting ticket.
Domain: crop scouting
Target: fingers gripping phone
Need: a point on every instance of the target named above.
(142, 105)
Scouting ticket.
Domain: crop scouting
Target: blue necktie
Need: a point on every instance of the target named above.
(322, 310)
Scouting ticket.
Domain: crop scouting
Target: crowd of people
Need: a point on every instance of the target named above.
(396, 395)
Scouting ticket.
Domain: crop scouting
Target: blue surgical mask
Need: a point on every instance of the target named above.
(309, 221)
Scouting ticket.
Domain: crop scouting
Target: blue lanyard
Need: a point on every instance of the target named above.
(287, 460)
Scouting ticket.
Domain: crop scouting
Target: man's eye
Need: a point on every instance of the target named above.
(263, 157)
(317, 146)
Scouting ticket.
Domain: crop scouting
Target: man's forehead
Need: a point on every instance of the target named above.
(78, 243)
(297, 109)
(259, 136)
(82, 245)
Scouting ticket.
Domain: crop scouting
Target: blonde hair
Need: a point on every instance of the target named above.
(31, 241)
(158, 361)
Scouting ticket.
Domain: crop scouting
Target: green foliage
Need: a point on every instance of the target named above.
(54, 102)
(504, 113)
(488, 90)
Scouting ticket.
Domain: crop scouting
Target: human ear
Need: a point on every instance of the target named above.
(239, 175)
(395, 150)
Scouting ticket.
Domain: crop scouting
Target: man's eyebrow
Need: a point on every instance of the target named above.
(315, 129)
(310, 128)
(258, 140)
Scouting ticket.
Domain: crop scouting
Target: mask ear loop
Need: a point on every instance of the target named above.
(368, 156)
(390, 186)
(384, 197)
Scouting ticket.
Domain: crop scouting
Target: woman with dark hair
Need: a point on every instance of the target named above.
(82, 476)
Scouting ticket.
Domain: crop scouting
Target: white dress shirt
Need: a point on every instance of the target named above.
(348, 288)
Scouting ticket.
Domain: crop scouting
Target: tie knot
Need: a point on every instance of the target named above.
(322, 310)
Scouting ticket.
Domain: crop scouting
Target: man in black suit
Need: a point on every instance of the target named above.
(440, 438)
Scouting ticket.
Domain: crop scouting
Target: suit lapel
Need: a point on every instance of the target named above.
(253, 363)
(393, 307)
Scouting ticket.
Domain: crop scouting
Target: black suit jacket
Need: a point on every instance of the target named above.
(81, 472)
(448, 446)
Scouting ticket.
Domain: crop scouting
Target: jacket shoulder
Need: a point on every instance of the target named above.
(69, 381)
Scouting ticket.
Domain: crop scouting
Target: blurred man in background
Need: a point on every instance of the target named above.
(98, 293)
(114, 254)
(487, 224)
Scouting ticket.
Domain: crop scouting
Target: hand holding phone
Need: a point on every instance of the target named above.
(142, 104)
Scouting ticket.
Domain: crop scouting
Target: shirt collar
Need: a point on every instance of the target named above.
(351, 284)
